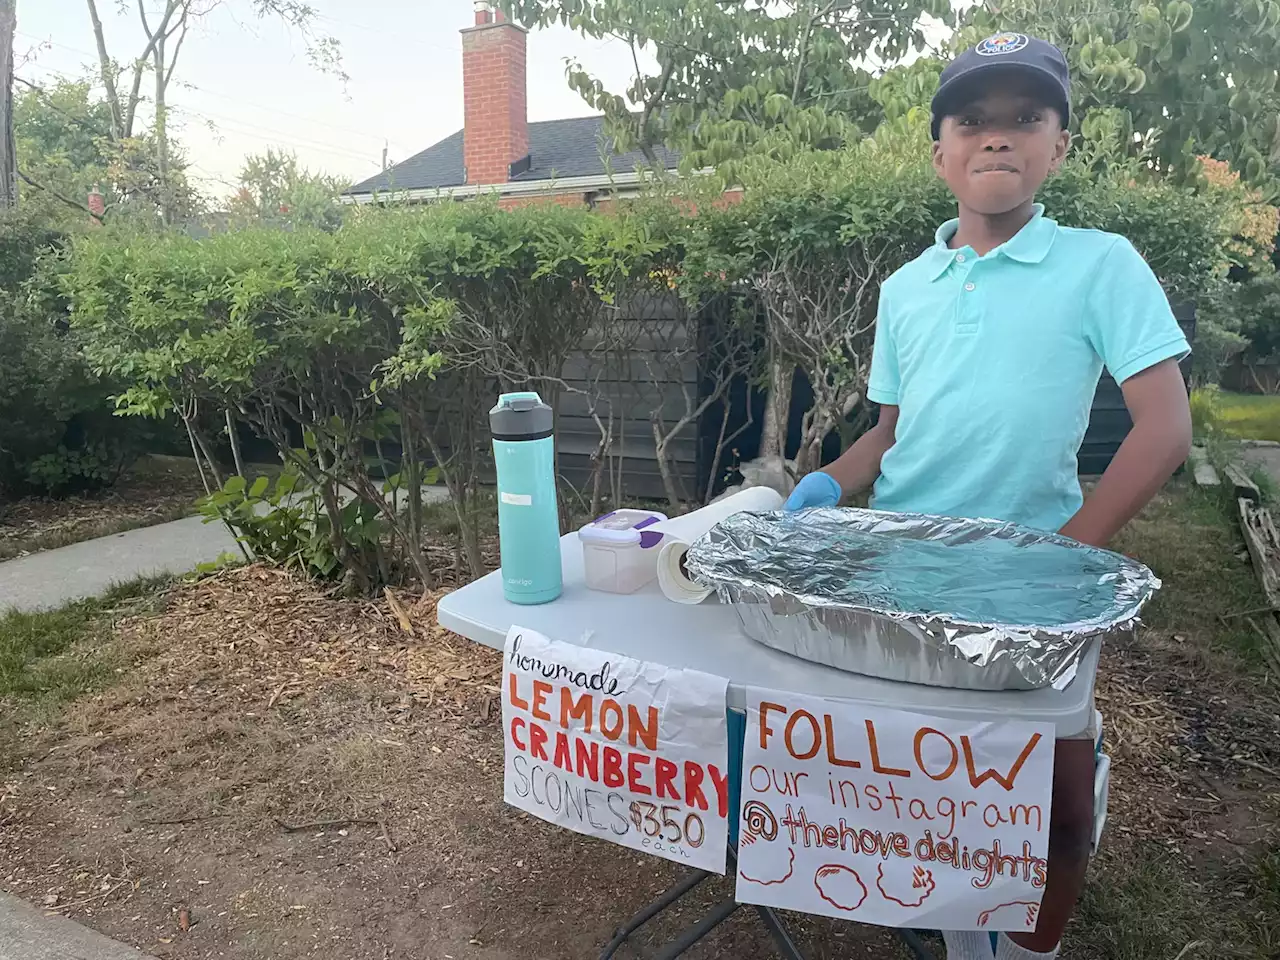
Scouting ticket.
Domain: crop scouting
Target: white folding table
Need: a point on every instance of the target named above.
(647, 626)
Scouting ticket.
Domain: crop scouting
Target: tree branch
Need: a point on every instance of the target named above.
(651, 103)
(140, 63)
(104, 65)
(177, 49)
(52, 105)
(58, 196)
(142, 14)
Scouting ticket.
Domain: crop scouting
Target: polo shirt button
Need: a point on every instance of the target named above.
(959, 258)
(969, 287)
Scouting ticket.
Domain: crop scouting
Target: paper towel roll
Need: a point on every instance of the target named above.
(679, 532)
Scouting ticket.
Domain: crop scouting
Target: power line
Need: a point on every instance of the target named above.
(264, 133)
(239, 125)
(222, 96)
(283, 113)
(54, 43)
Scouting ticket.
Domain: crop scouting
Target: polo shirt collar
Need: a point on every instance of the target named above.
(1029, 245)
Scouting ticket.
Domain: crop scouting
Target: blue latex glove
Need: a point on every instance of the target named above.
(815, 490)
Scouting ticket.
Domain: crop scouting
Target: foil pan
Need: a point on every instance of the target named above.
(973, 604)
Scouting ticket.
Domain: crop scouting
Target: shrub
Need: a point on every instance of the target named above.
(817, 234)
(57, 431)
(369, 356)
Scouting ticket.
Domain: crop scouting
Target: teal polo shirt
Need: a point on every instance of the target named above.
(993, 362)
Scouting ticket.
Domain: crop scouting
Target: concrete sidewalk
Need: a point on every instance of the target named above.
(27, 934)
(53, 577)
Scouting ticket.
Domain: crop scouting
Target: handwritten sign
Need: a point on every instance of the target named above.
(616, 748)
(893, 818)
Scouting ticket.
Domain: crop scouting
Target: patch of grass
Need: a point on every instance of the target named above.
(55, 655)
(1138, 907)
(1146, 904)
(1266, 890)
(1266, 484)
(1249, 417)
(1206, 414)
(1190, 537)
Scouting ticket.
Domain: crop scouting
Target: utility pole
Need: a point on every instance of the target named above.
(384, 146)
(8, 156)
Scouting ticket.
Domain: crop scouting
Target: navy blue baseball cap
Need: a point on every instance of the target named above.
(1012, 53)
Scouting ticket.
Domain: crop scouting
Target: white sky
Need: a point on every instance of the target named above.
(243, 85)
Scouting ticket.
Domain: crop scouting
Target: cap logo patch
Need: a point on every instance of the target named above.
(1001, 43)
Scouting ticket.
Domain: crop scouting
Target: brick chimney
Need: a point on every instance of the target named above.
(496, 133)
(97, 206)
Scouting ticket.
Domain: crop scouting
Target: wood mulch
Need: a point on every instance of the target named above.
(281, 774)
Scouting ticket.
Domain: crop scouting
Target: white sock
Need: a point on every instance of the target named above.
(1006, 949)
(968, 945)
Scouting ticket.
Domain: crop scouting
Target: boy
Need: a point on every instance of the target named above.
(988, 351)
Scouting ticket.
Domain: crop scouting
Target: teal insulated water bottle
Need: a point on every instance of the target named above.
(528, 515)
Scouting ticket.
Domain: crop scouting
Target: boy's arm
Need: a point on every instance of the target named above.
(1156, 446)
(859, 466)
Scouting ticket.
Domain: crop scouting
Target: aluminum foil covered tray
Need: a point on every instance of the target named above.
(975, 604)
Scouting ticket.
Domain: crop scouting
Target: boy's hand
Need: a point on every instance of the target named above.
(815, 490)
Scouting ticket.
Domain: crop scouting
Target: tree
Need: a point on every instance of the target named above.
(1169, 81)
(57, 134)
(65, 149)
(165, 33)
(8, 161)
(738, 76)
(275, 190)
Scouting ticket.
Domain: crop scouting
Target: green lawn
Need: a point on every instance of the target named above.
(1249, 416)
(57, 655)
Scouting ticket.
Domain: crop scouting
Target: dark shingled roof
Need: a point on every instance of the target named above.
(557, 149)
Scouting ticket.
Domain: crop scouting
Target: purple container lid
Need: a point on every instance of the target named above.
(622, 527)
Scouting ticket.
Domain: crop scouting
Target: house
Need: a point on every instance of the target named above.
(573, 162)
(498, 150)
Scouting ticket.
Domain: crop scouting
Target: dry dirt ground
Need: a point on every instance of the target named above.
(154, 490)
(281, 775)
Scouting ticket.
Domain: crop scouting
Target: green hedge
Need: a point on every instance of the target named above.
(396, 330)
(58, 432)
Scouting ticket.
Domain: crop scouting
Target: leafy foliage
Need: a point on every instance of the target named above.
(369, 356)
(329, 346)
(283, 522)
(740, 76)
(57, 434)
(275, 190)
(1243, 321)
(1257, 304)
(1252, 221)
(65, 149)
(1163, 81)
(1186, 78)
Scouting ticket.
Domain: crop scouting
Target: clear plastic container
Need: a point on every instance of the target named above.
(619, 552)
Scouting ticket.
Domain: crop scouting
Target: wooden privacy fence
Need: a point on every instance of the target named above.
(653, 365)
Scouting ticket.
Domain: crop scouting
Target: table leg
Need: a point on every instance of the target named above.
(915, 945)
(781, 936)
(652, 910)
(718, 915)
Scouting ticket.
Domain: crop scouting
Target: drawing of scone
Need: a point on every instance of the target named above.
(840, 886)
(905, 887)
